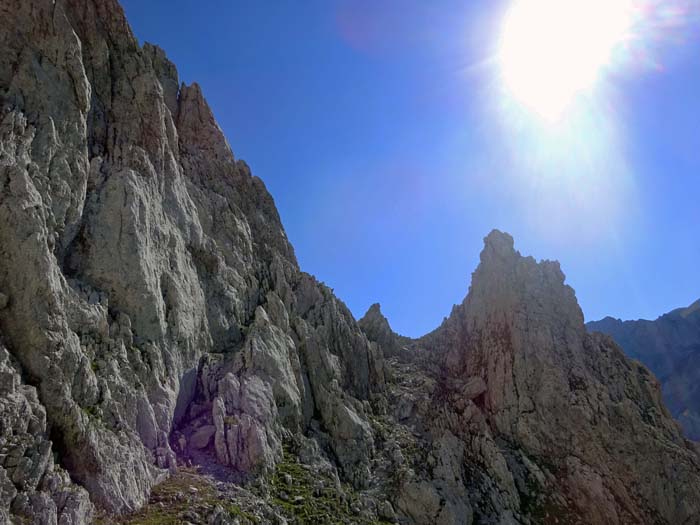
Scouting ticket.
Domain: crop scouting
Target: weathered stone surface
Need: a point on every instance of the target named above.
(670, 347)
(202, 437)
(151, 298)
(133, 243)
(376, 328)
(31, 485)
(556, 392)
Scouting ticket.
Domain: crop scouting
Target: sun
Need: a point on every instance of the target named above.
(552, 51)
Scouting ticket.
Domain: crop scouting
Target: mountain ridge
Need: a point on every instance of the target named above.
(158, 336)
(670, 346)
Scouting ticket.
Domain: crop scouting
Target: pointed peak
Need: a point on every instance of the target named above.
(376, 308)
(506, 282)
(499, 252)
(378, 330)
(199, 132)
(154, 49)
(374, 315)
(194, 88)
(166, 72)
(497, 238)
(498, 244)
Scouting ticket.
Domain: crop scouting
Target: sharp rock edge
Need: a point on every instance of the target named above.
(153, 315)
(670, 347)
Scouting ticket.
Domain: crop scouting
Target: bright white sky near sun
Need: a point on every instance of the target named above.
(553, 51)
(395, 134)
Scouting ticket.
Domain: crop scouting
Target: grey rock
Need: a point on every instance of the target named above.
(155, 300)
(202, 437)
(670, 347)
(473, 387)
(419, 501)
(556, 391)
(31, 485)
(377, 329)
(386, 512)
(145, 245)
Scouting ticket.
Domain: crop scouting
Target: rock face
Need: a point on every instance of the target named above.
(377, 329)
(514, 413)
(670, 347)
(578, 420)
(153, 315)
(133, 244)
(31, 484)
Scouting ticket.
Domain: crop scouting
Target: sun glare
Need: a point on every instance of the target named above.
(558, 75)
(553, 51)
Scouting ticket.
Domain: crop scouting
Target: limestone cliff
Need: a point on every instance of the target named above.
(670, 347)
(132, 244)
(570, 412)
(521, 416)
(162, 354)
(377, 329)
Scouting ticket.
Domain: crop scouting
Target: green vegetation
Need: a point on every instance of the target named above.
(180, 495)
(307, 497)
(303, 495)
(92, 412)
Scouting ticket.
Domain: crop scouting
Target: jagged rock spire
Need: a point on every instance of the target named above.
(377, 329)
(559, 393)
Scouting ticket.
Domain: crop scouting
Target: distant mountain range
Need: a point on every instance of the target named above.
(670, 347)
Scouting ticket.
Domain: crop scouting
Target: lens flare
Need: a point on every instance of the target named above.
(560, 76)
(553, 50)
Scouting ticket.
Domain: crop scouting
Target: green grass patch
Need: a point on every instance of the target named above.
(171, 501)
(312, 498)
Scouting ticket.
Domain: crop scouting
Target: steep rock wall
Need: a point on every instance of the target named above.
(152, 312)
(134, 243)
(670, 347)
(567, 401)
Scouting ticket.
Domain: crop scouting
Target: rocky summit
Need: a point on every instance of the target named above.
(670, 347)
(163, 359)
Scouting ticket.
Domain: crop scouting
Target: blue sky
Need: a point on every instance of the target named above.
(383, 137)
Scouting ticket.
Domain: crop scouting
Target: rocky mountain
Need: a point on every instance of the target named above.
(163, 359)
(670, 347)
(376, 327)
